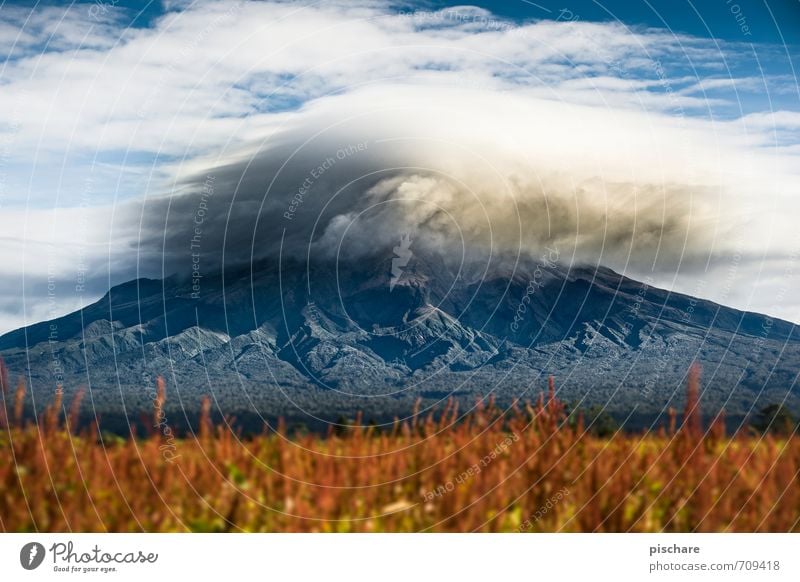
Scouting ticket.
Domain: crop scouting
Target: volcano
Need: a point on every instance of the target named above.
(319, 340)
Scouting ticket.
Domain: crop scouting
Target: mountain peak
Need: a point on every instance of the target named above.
(341, 336)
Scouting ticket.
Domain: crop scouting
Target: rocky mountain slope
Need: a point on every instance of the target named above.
(321, 340)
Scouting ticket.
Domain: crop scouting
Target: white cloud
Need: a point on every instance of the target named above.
(198, 67)
(583, 101)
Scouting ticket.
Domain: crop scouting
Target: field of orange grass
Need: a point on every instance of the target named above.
(520, 470)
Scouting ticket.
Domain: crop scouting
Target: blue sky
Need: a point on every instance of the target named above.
(105, 104)
(754, 20)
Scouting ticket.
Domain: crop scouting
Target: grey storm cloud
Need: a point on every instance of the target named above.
(480, 136)
(465, 171)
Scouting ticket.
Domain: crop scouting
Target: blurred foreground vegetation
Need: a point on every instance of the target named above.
(531, 468)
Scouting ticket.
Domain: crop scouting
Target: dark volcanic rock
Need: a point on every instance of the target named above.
(324, 340)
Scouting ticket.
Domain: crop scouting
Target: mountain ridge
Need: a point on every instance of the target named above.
(325, 339)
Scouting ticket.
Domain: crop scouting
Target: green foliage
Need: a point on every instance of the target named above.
(596, 421)
(775, 419)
